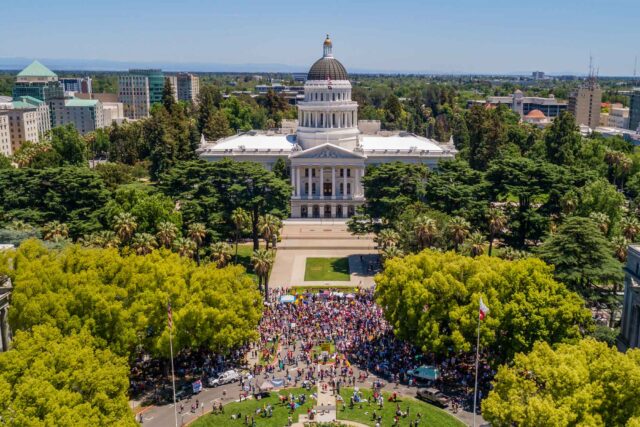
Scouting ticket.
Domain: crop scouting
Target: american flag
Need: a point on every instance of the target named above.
(169, 317)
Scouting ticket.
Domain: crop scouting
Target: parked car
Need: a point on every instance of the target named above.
(184, 392)
(433, 396)
(224, 378)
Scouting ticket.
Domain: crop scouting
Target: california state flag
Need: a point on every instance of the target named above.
(484, 310)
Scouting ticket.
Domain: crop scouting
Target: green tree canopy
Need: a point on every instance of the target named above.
(432, 299)
(72, 195)
(211, 191)
(581, 255)
(122, 300)
(48, 379)
(390, 187)
(582, 384)
(150, 208)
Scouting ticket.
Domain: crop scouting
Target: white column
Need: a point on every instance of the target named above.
(356, 189)
(322, 182)
(298, 181)
(293, 180)
(344, 183)
(333, 182)
(308, 183)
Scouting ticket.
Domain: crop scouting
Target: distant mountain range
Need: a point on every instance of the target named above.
(212, 67)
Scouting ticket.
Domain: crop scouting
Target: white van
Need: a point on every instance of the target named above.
(224, 378)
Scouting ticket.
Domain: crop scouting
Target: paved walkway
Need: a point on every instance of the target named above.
(323, 239)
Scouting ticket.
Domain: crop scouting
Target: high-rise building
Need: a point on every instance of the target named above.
(28, 121)
(634, 110)
(138, 90)
(5, 134)
(77, 84)
(585, 102)
(39, 82)
(188, 87)
(133, 93)
(156, 82)
(173, 81)
(538, 75)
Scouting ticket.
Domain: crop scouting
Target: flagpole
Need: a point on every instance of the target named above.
(475, 387)
(173, 375)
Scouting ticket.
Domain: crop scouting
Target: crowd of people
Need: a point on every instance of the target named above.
(349, 329)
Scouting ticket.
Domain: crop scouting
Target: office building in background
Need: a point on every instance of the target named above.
(5, 134)
(585, 102)
(77, 84)
(188, 86)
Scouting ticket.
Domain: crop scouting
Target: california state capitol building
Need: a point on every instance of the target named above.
(326, 150)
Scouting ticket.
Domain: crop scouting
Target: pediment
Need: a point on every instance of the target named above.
(327, 151)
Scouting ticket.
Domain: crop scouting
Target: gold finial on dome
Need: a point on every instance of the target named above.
(327, 47)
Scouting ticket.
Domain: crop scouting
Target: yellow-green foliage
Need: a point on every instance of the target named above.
(583, 384)
(122, 300)
(432, 298)
(48, 379)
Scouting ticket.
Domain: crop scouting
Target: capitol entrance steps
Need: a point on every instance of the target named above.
(325, 234)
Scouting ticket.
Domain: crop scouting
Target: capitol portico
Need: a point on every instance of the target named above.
(328, 153)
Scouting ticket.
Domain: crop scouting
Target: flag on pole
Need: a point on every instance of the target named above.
(484, 310)
(169, 317)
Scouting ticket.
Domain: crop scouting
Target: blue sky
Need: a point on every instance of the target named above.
(407, 35)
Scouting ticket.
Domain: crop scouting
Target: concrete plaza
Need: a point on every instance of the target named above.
(322, 238)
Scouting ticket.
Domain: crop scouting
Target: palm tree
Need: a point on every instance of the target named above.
(197, 232)
(630, 227)
(620, 165)
(185, 246)
(262, 261)
(512, 254)
(497, 222)
(387, 237)
(124, 224)
(476, 244)
(221, 253)
(458, 229)
(268, 227)
(55, 231)
(167, 232)
(108, 239)
(601, 220)
(240, 219)
(144, 243)
(20, 225)
(620, 245)
(426, 230)
(391, 252)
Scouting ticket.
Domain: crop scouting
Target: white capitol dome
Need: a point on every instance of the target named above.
(327, 114)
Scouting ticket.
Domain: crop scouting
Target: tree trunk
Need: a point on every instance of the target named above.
(254, 230)
(198, 255)
(237, 238)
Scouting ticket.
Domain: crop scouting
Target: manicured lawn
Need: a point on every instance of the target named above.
(330, 269)
(431, 416)
(279, 418)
